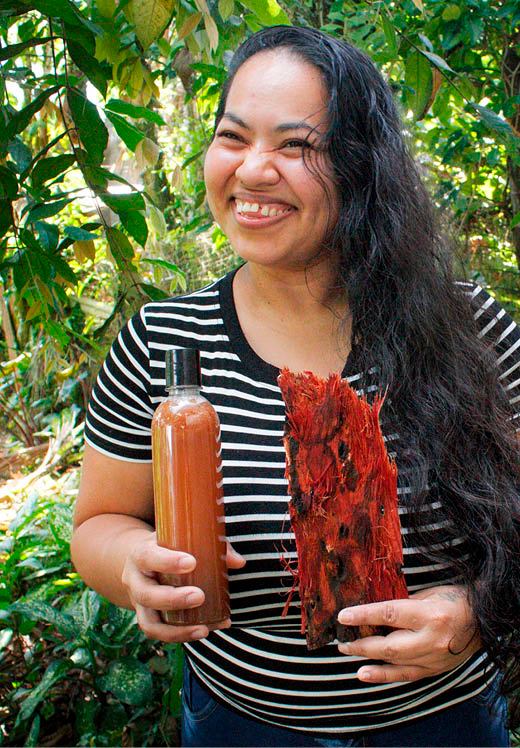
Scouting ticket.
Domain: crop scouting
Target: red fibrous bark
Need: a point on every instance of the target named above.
(343, 505)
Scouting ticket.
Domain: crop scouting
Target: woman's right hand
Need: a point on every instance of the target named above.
(145, 561)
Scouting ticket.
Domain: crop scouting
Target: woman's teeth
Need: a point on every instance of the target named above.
(264, 210)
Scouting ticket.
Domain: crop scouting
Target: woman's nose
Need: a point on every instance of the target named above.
(257, 167)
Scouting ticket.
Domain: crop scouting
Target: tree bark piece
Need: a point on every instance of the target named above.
(343, 505)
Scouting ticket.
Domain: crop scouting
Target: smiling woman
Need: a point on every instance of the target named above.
(345, 271)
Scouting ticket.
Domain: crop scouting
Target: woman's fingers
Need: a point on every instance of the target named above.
(392, 673)
(398, 647)
(398, 614)
(233, 559)
(150, 623)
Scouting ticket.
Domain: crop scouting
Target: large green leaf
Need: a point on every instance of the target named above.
(135, 223)
(8, 183)
(49, 168)
(12, 50)
(493, 120)
(418, 78)
(122, 250)
(65, 11)
(124, 202)
(130, 680)
(6, 215)
(150, 18)
(19, 121)
(132, 110)
(98, 73)
(46, 210)
(129, 134)
(56, 671)
(91, 129)
(268, 12)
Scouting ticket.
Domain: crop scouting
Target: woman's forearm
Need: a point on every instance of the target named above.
(99, 550)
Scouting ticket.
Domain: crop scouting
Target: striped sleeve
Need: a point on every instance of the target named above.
(499, 330)
(120, 410)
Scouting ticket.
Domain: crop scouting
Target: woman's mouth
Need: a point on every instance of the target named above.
(256, 215)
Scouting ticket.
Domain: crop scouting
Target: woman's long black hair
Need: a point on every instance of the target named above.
(411, 320)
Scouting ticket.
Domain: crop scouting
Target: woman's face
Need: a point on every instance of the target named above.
(262, 194)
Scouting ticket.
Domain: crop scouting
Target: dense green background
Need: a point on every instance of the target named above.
(105, 111)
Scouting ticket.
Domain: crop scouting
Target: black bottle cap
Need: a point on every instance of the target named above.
(182, 367)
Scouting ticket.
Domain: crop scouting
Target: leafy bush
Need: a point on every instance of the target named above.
(74, 669)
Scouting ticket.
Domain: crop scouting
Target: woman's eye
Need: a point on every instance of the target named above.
(228, 135)
(297, 144)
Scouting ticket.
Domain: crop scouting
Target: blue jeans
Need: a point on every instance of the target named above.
(205, 722)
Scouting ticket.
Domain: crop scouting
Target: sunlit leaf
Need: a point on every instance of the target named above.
(150, 18)
(437, 61)
(124, 202)
(418, 77)
(134, 111)
(267, 11)
(135, 223)
(120, 247)
(129, 134)
(189, 25)
(226, 8)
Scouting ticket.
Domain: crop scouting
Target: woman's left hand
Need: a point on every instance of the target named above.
(435, 632)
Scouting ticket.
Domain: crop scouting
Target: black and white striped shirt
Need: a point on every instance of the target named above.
(261, 667)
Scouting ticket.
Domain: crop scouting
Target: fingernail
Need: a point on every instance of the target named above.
(364, 674)
(199, 633)
(345, 616)
(345, 647)
(186, 563)
(193, 599)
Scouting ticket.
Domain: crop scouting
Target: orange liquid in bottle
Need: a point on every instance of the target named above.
(189, 509)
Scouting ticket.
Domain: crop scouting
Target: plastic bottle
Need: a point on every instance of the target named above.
(189, 508)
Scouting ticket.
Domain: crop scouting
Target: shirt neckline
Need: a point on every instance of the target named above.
(256, 366)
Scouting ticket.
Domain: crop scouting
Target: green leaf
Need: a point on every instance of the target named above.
(6, 216)
(41, 611)
(226, 8)
(65, 11)
(96, 72)
(437, 61)
(150, 18)
(86, 712)
(49, 168)
(46, 210)
(451, 13)
(267, 11)
(132, 110)
(129, 134)
(154, 292)
(124, 202)
(130, 680)
(163, 264)
(389, 32)
(493, 120)
(56, 671)
(19, 121)
(122, 250)
(13, 50)
(79, 234)
(34, 732)
(135, 223)
(418, 77)
(20, 154)
(92, 131)
(515, 220)
(58, 332)
(8, 183)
